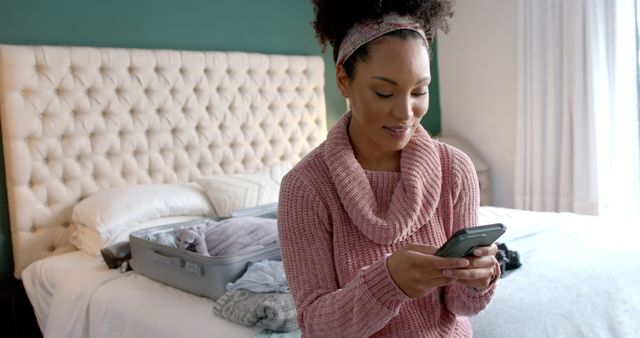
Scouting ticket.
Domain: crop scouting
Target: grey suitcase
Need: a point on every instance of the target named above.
(201, 275)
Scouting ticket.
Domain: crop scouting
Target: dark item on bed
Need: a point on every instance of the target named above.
(464, 241)
(508, 259)
(117, 256)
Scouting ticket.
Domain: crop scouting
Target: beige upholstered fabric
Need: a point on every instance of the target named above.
(77, 120)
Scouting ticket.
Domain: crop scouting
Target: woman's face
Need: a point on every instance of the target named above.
(388, 95)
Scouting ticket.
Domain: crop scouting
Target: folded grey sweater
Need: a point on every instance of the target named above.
(231, 236)
(274, 311)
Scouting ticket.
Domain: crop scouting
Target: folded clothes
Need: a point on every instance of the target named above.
(273, 311)
(231, 236)
(193, 238)
(167, 238)
(263, 276)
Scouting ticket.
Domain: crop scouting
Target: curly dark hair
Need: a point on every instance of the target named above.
(334, 18)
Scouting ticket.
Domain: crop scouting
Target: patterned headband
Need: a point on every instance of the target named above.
(363, 33)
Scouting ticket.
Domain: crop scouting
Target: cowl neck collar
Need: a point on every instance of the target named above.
(415, 196)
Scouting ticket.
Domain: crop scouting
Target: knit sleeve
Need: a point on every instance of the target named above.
(461, 299)
(362, 306)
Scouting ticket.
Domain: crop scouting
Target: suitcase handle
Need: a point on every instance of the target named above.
(194, 268)
(167, 260)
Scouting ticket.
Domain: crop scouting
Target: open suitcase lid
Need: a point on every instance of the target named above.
(266, 210)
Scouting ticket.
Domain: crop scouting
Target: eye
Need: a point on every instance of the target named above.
(420, 93)
(383, 95)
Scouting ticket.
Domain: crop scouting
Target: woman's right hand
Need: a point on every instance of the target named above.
(417, 270)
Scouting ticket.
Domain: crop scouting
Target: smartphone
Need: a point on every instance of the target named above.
(463, 242)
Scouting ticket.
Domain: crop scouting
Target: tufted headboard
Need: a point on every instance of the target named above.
(76, 120)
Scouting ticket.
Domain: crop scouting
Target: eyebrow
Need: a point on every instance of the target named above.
(386, 79)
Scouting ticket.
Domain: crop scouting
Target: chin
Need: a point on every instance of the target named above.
(397, 144)
(394, 146)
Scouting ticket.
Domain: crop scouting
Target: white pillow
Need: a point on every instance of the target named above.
(89, 240)
(111, 211)
(228, 193)
(232, 192)
(276, 171)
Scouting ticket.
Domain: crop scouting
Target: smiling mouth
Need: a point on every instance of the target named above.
(397, 132)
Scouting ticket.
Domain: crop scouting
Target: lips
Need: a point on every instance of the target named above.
(397, 131)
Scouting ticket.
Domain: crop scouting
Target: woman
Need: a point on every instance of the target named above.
(362, 215)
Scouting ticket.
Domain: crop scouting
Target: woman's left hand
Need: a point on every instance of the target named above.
(481, 269)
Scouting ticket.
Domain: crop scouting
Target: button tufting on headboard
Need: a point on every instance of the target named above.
(76, 120)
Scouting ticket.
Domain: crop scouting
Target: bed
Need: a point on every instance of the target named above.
(80, 121)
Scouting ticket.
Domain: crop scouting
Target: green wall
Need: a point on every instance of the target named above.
(273, 26)
(431, 122)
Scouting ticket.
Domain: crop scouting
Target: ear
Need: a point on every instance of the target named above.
(343, 81)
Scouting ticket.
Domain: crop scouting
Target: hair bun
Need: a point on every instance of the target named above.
(334, 18)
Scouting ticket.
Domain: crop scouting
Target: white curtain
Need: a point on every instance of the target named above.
(617, 108)
(577, 119)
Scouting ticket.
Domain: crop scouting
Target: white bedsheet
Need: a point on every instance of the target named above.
(580, 277)
(111, 304)
(40, 279)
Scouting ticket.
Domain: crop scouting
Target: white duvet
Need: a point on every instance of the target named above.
(580, 278)
(75, 295)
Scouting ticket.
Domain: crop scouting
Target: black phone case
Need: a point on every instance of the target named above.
(463, 242)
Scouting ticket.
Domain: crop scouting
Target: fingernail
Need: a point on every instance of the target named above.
(477, 252)
(463, 262)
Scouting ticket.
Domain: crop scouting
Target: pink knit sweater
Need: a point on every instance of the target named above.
(338, 224)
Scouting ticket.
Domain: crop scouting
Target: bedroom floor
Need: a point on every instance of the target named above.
(16, 314)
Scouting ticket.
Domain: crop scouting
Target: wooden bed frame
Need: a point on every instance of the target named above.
(76, 120)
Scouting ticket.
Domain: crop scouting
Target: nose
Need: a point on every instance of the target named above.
(402, 109)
